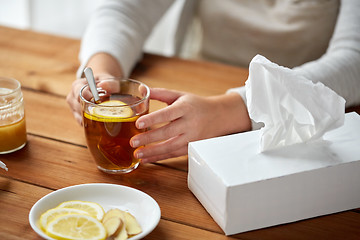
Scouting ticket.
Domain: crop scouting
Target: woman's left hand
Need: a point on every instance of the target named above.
(187, 118)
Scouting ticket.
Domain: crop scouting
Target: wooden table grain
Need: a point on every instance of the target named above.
(56, 155)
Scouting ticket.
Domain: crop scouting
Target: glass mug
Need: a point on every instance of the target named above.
(110, 124)
(12, 116)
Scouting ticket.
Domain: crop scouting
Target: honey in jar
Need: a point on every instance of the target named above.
(12, 116)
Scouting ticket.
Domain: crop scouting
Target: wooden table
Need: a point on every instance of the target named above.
(56, 155)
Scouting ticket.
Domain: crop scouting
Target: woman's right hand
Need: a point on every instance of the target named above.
(73, 97)
(104, 66)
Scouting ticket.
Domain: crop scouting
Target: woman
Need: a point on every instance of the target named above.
(318, 39)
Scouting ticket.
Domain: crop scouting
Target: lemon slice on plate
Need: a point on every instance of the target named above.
(92, 208)
(111, 111)
(76, 227)
(51, 214)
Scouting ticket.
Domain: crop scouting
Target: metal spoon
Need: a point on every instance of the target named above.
(91, 81)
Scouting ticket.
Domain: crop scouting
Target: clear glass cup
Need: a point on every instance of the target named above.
(12, 116)
(110, 124)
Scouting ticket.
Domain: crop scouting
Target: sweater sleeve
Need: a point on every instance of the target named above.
(120, 29)
(339, 67)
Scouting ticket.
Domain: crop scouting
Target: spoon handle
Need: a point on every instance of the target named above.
(91, 81)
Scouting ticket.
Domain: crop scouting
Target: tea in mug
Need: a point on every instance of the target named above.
(108, 129)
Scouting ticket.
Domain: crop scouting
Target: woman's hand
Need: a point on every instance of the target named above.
(104, 66)
(73, 98)
(187, 118)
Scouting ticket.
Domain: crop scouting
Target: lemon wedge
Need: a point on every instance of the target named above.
(111, 111)
(76, 227)
(92, 208)
(51, 214)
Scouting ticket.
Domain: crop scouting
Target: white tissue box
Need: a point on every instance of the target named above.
(244, 190)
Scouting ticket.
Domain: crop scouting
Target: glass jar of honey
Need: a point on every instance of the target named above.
(12, 116)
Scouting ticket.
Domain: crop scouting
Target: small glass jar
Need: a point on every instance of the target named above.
(12, 116)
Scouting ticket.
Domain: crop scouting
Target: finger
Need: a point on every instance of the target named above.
(110, 85)
(164, 115)
(143, 90)
(78, 118)
(75, 108)
(167, 131)
(165, 95)
(86, 94)
(180, 152)
(73, 99)
(102, 76)
(161, 148)
(77, 86)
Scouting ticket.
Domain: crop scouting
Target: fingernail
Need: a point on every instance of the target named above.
(139, 155)
(135, 143)
(140, 125)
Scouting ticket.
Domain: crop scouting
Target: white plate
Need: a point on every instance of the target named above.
(142, 206)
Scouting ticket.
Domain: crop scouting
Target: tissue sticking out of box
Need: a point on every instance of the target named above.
(292, 107)
(2, 165)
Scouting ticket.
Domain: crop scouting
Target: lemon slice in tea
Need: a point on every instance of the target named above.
(76, 226)
(92, 208)
(51, 214)
(112, 111)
